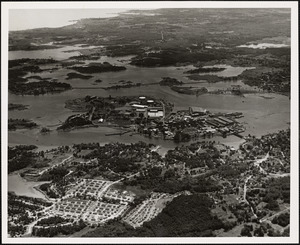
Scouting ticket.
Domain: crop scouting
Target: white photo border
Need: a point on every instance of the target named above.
(294, 222)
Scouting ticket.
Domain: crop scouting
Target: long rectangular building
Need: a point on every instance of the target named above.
(226, 120)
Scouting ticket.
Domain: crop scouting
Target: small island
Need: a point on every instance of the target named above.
(19, 107)
(205, 70)
(176, 86)
(38, 88)
(124, 84)
(45, 130)
(168, 81)
(98, 68)
(74, 75)
(19, 84)
(208, 78)
(212, 78)
(123, 111)
(14, 124)
(94, 56)
(190, 90)
(75, 121)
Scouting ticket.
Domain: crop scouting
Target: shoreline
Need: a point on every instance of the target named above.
(37, 188)
(31, 185)
(164, 143)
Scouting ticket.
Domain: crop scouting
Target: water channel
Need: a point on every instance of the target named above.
(261, 115)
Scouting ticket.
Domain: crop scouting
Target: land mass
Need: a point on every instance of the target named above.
(205, 70)
(156, 40)
(19, 84)
(132, 191)
(74, 75)
(14, 124)
(168, 81)
(98, 68)
(19, 107)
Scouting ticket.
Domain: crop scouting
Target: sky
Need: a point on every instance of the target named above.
(22, 19)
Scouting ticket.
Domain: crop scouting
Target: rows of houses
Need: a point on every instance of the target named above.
(119, 195)
(148, 209)
(87, 210)
(89, 188)
(100, 212)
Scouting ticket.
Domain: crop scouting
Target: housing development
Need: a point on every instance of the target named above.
(248, 186)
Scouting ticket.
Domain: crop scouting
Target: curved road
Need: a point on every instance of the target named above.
(259, 161)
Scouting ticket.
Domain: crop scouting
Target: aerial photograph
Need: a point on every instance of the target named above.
(158, 122)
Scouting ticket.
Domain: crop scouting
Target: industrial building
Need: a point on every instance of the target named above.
(197, 111)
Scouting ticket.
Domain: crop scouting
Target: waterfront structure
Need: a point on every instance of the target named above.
(197, 111)
(155, 112)
(147, 108)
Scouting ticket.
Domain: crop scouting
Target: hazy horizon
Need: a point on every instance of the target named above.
(23, 19)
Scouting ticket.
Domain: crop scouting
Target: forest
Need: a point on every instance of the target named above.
(57, 228)
(20, 157)
(185, 216)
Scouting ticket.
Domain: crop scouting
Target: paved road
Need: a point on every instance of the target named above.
(245, 188)
(276, 214)
(259, 161)
(31, 225)
(279, 175)
(55, 165)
